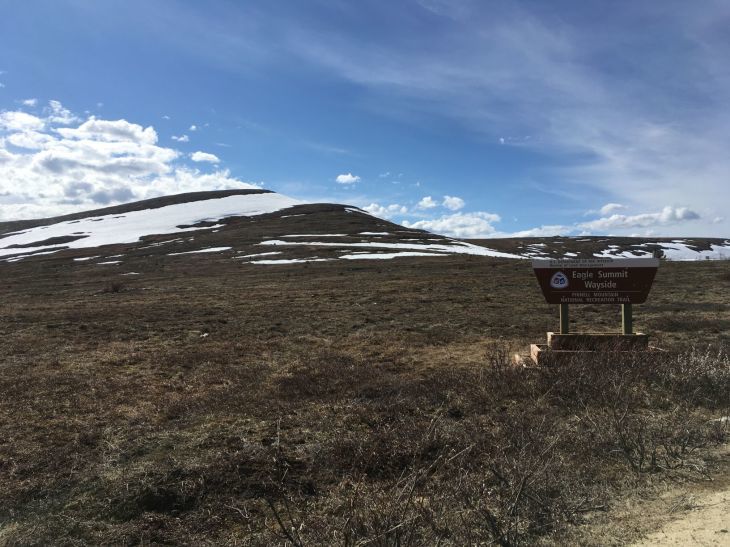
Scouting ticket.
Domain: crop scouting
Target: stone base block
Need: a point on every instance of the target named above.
(543, 355)
(588, 341)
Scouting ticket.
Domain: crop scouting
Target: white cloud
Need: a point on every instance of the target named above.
(32, 140)
(541, 231)
(610, 208)
(347, 178)
(30, 102)
(193, 127)
(668, 215)
(90, 164)
(57, 113)
(427, 203)
(384, 175)
(20, 121)
(5, 156)
(462, 225)
(181, 138)
(116, 131)
(204, 156)
(453, 203)
(387, 211)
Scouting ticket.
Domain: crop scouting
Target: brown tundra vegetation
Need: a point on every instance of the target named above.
(205, 401)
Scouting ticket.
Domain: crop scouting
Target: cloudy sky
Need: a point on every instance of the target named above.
(465, 117)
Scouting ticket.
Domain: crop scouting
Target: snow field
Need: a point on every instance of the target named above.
(131, 227)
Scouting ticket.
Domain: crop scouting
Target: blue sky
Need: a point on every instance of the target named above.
(469, 118)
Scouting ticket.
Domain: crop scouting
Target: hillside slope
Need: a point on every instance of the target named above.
(265, 228)
(247, 224)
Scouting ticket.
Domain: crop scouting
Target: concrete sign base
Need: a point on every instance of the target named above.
(563, 348)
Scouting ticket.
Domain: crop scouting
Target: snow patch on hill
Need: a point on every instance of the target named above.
(385, 256)
(131, 227)
(677, 249)
(680, 251)
(454, 247)
(206, 250)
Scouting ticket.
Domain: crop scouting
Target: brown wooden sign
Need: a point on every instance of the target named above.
(596, 280)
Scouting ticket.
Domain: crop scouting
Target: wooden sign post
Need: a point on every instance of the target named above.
(624, 281)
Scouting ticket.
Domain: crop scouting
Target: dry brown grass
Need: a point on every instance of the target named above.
(215, 403)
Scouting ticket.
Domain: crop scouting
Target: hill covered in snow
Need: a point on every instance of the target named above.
(265, 228)
(256, 226)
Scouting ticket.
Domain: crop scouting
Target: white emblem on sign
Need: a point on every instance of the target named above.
(559, 280)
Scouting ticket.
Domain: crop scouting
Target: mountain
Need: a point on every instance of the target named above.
(255, 226)
(265, 228)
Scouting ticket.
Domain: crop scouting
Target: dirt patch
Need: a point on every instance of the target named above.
(671, 511)
(697, 515)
